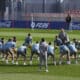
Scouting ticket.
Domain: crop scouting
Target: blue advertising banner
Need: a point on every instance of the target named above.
(39, 24)
(19, 24)
(5, 23)
(75, 26)
(48, 25)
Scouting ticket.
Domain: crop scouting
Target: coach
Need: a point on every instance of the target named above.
(63, 36)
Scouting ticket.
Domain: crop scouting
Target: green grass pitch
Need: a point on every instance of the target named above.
(59, 72)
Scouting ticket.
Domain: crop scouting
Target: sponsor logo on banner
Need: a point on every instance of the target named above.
(40, 25)
(5, 24)
(75, 26)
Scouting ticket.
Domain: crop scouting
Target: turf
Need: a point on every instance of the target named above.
(59, 72)
(34, 77)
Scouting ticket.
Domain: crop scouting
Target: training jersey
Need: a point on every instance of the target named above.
(10, 44)
(57, 41)
(35, 47)
(63, 48)
(28, 40)
(72, 48)
(43, 47)
(22, 48)
(50, 49)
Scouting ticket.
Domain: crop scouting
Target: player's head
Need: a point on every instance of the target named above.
(2, 38)
(14, 38)
(29, 34)
(37, 42)
(74, 39)
(42, 39)
(49, 43)
(9, 39)
(56, 36)
(24, 44)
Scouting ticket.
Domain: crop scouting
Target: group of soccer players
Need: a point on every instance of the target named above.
(41, 48)
(7, 49)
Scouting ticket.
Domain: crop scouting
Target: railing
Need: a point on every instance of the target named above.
(51, 16)
(41, 16)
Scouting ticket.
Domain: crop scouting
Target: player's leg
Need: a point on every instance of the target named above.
(18, 53)
(41, 61)
(32, 53)
(60, 58)
(12, 55)
(46, 62)
(24, 57)
(0, 54)
(68, 57)
(75, 57)
(53, 58)
(3, 55)
(38, 54)
(6, 58)
(67, 53)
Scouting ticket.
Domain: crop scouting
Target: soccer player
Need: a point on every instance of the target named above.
(63, 49)
(8, 49)
(43, 47)
(14, 41)
(57, 41)
(34, 50)
(63, 36)
(28, 40)
(50, 52)
(73, 50)
(21, 51)
(76, 42)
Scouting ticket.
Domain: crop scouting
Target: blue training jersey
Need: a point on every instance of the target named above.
(58, 42)
(28, 40)
(72, 48)
(50, 49)
(35, 47)
(63, 48)
(22, 48)
(10, 44)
